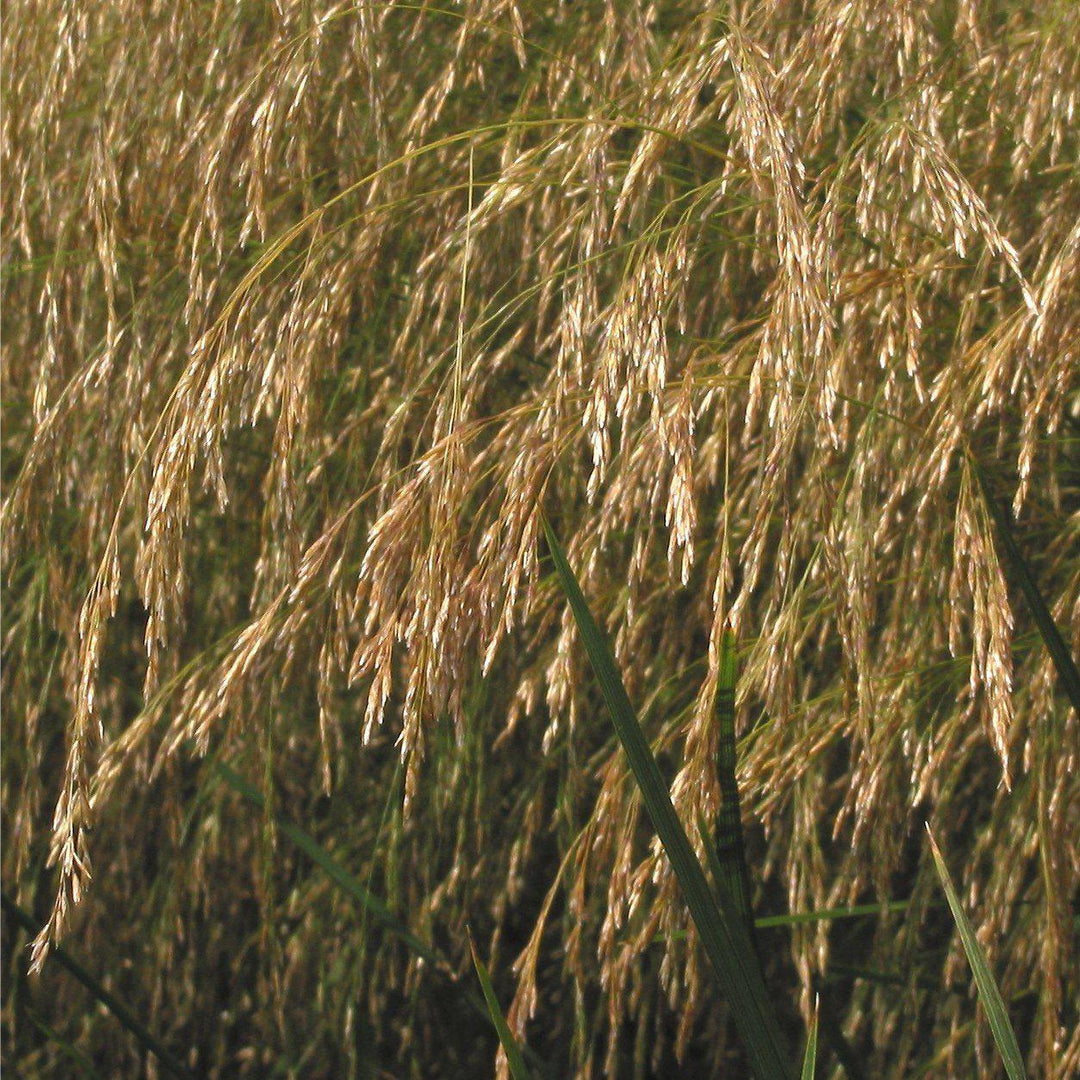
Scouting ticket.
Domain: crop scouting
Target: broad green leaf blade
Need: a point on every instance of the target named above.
(506, 1036)
(169, 1061)
(989, 994)
(730, 848)
(1055, 643)
(809, 1064)
(723, 934)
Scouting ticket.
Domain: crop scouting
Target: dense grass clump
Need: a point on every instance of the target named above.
(313, 310)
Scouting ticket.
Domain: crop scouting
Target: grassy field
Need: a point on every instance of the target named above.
(516, 520)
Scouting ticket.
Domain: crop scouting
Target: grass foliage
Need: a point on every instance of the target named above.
(989, 994)
(721, 921)
(515, 1060)
(313, 311)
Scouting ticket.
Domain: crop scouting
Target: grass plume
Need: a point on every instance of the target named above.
(310, 308)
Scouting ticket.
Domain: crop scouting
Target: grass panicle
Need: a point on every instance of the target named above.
(308, 309)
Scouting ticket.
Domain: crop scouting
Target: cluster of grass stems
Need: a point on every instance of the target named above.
(322, 320)
(722, 916)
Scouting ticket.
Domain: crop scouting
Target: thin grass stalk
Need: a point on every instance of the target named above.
(803, 918)
(78, 1059)
(146, 1038)
(730, 845)
(350, 885)
(337, 873)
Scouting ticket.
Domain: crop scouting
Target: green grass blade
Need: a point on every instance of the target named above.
(802, 918)
(730, 847)
(506, 1036)
(832, 1035)
(716, 871)
(858, 911)
(169, 1061)
(347, 882)
(989, 994)
(73, 1054)
(809, 1064)
(723, 935)
(1055, 643)
(850, 972)
(352, 887)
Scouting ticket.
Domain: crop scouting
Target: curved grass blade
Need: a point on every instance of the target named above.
(169, 1061)
(73, 1054)
(989, 994)
(723, 933)
(1048, 631)
(809, 1064)
(734, 874)
(341, 877)
(506, 1037)
(352, 887)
